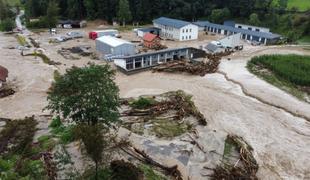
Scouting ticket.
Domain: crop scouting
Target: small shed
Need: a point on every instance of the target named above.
(109, 45)
(151, 41)
(3, 75)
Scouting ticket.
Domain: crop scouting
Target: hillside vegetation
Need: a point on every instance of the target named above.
(302, 5)
(288, 72)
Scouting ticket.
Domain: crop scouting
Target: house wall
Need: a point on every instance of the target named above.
(189, 32)
(170, 32)
(252, 28)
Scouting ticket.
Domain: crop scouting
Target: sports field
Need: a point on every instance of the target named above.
(300, 4)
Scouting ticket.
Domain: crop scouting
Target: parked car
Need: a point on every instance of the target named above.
(75, 34)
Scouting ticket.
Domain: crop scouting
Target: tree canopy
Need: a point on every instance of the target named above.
(86, 95)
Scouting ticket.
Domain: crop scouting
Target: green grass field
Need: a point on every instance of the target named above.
(290, 73)
(302, 5)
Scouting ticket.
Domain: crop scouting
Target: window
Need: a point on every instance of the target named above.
(250, 28)
(186, 37)
(257, 30)
(182, 37)
(190, 30)
(186, 30)
(190, 37)
(240, 27)
(129, 64)
(183, 31)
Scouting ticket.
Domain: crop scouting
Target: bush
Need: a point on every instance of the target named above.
(66, 134)
(7, 25)
(56, 122)
(124, 170)
(143, 103)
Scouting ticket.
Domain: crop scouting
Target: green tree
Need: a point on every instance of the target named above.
(52, 14)
(86, 95)
(7, 25)
(254, 20)
(220, 15)
(96, 141)
(124, 13)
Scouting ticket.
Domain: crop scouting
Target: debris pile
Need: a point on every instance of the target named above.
(144, 158)
(4, 92)
(193, 67)
(245, 167)
(79, 50)
(167, 115)
(178, 101)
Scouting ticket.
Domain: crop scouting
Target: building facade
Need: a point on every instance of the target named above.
(176, 29)
(262, 37)
(148, 60)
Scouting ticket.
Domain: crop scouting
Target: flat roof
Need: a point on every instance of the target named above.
(237, 30)
(171, 22)
(112, 41)
(154, 53)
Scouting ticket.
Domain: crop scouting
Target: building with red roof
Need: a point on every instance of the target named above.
(151, 40)
(3, 75)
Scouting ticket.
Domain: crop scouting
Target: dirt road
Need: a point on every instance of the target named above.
(281, 140)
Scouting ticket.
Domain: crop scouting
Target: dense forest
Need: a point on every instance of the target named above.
(270, 13)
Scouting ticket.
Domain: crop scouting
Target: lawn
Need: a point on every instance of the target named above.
(290, 73)
(302, 5)
(304, 40)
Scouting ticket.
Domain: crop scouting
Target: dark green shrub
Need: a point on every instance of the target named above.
(125, 171)
(143, 103)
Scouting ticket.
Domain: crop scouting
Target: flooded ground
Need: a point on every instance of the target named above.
(274, 123)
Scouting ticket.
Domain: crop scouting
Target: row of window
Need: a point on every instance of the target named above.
(187, 30)
(249, 28)
(186, 37)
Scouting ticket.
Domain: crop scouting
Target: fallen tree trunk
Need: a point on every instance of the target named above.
(143, 157)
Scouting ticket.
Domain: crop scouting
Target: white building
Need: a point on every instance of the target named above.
(176, 29)
(108, 45)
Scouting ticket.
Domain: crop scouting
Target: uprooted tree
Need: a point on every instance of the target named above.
(89, 97)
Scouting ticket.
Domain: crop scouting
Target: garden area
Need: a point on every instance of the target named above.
(290, 73)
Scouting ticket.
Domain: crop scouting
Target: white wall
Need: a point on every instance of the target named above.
(120, 63)
(189, 32)
(177, 34)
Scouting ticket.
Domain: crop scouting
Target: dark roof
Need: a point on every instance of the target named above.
(3, 73)
(149, 29)
(171, 22)
(149, 37)
(153, 53)
(237, 30)
(212, 47)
